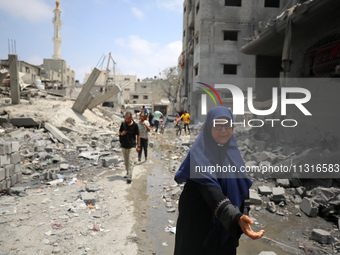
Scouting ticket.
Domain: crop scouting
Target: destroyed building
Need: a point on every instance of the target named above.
(301, 48)
(213, 34)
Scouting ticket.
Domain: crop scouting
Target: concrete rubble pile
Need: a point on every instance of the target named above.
(44, 155)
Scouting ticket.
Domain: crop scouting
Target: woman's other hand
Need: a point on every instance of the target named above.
(245, 223)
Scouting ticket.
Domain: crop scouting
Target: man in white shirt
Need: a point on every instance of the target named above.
(144, 129)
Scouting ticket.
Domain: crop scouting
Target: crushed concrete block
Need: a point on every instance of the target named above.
(15, 146)
(82, 147)
(278, 194)
(17, 168)
(64, 166)
(16, 190)
(250, 144)
(309, 207)
(2, 174)
(265, 190)
(107, 161)
(71, 121)
(5, 148)
(19, 177)
(91, 187)
(5, 160)
(55, 158)
(8, 183)
(95, 136)
(297, 199)
(176, 191)
(39, 148)
(283, 183)
(323, 195)
(255, 198)
(3, 184)
(15, 158)
(9, 170)
(89, 197)
(300, 191)
(14, 179)
(271, 207)
(50, 174)
(19, 134)
(49, 149)
(321, 236)
(265, 164)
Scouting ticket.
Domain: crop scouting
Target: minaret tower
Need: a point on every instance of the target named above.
(57, 24)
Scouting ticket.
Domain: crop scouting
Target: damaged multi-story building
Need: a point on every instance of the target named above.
(300, 48)
(213, 34)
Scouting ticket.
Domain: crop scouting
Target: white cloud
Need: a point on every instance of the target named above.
(174, 5)
(138, 45)
(33, 10)
(138, 13)
(148, 58)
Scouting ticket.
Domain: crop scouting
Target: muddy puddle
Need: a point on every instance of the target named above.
(158, 217)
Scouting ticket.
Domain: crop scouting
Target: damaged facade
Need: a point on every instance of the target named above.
(213, 34)
(301, 48)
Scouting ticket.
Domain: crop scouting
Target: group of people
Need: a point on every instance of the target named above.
(212, 210)
(134, 134)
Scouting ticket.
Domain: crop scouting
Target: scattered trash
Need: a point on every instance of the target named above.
(165, 244)
(57, 226)
(91, 206)
(73, 181)
(170, 229)
(8, 211)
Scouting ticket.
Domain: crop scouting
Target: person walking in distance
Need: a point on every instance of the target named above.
(144, 129)
(157, 116)
(127, 136)
(186, 120)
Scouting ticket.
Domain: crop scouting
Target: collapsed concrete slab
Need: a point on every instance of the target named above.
(84, 96)
(102, 98)
(57, 133)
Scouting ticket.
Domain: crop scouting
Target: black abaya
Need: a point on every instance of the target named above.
(196, 206)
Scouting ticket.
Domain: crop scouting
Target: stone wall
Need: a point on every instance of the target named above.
(10, 164)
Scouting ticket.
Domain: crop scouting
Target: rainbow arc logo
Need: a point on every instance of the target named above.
(204, 97)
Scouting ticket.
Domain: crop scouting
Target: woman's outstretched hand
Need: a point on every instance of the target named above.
(245, 223)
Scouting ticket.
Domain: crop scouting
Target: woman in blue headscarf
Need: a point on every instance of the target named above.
(210, 219)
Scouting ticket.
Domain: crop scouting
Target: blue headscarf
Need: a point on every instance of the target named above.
(206, 152)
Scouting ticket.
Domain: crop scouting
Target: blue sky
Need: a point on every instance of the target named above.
(143, 36)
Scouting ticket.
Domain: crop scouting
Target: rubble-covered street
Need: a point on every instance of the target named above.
(63, 189)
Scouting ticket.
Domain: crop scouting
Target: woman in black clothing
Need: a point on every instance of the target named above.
(210, 219)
